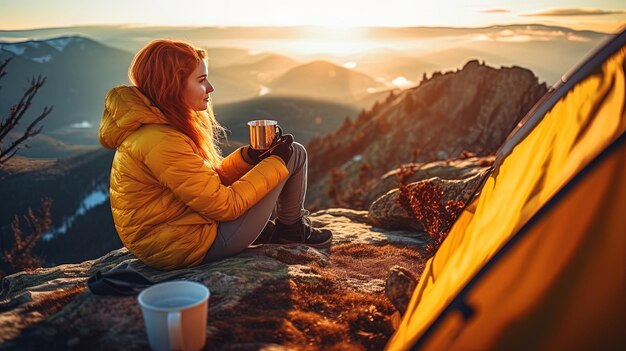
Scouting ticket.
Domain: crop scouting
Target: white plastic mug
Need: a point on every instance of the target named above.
(175, 315)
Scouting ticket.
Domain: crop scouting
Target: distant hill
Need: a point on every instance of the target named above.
(245, 80)
(305, 118)
(267, 64)
(45, 146)
(325, 80)
(225, 56)
(78, 71)
(390, 64)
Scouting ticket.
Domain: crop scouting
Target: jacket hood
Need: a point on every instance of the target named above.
(125, 110)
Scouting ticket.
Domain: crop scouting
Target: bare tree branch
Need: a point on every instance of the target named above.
(16, 113)
(18, 110)
(3, 65)
(30, 132)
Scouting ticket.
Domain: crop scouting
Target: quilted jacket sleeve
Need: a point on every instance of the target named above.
(174, 163)
(233, 167)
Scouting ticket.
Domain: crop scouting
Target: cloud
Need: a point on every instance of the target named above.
(573, 12)
(528, 34)
(496, 11)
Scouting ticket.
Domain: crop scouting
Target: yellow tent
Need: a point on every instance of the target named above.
(537, 261)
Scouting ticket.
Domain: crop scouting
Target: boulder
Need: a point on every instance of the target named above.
(399, 287)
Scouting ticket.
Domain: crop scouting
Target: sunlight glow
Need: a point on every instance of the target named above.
(334, 47)
(264, 90)
(402, 82)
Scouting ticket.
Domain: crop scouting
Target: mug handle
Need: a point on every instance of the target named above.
(279, 133)
(175, 331)
(275, 142)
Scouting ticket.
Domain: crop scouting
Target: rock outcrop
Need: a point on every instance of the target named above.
(271, 296)
(470, 110)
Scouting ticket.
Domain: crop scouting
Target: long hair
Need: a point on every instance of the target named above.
(160, 71)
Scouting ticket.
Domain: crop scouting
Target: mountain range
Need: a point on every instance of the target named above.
(326, 80)
(82, 63)
(378, 51)
(79, 72)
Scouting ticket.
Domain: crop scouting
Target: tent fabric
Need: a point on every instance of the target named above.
(538, 259)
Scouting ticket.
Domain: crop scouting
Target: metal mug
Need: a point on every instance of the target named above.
(264, 133)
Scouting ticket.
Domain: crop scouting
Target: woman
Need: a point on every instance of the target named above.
(176, 202)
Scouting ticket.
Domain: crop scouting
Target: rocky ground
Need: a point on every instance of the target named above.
(291, 297)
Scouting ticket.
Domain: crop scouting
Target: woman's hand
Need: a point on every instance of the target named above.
(282, 148)
(251, 155)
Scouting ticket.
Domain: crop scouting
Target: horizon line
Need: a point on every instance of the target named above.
(143, 25)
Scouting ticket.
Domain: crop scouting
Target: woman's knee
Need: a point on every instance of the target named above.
(299, 149)
(299, 156)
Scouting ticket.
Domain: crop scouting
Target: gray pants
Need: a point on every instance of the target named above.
(288, 198)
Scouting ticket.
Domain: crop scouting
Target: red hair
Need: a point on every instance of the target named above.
(160, 71)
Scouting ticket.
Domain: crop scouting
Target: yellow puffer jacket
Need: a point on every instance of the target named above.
(165, 199)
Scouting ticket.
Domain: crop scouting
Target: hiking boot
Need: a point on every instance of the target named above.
(302, 232)
(266, 235)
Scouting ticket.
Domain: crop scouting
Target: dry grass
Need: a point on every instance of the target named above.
(53, 302)
(426, 202)
(341, 310)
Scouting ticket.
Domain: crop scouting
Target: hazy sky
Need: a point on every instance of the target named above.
(602, 15)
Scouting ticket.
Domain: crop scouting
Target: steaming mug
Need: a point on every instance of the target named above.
(264, 133)
(175, 315)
